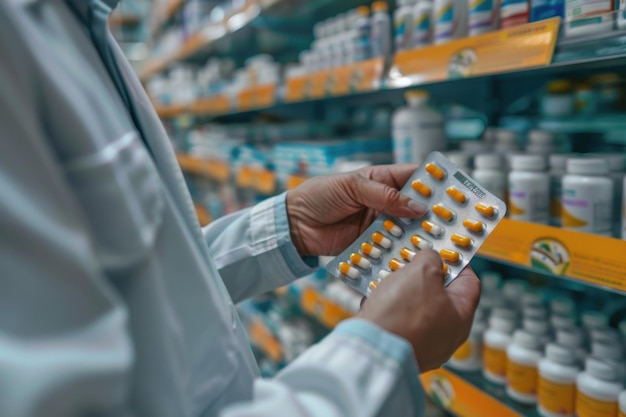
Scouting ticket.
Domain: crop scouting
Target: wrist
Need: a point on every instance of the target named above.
(295, 222)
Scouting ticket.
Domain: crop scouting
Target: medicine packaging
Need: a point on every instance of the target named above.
(461, 214)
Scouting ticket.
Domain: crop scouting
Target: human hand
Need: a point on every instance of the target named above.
(328, 213)
(413, 303)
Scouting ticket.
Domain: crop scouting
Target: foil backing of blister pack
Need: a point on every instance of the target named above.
(452, 177)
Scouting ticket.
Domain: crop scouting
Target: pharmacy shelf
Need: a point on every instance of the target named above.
(118, 19)
(164, 16)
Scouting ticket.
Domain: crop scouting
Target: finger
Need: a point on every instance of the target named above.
(427, 266)
(465, 292)
(382, 197)
(392, 175)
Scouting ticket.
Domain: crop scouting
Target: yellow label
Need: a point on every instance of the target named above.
(464, 352)
(591, 407)
(621, 413)
(569, 220)
(494, 360)
(522, 378)
(556, 397)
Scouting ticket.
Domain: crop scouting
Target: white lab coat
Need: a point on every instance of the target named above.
(111, 301)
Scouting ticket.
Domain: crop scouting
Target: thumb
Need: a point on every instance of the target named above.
(382, 197)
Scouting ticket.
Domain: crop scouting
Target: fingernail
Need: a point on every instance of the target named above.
(417, 207)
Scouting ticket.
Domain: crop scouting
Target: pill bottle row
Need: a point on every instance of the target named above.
(540, 354)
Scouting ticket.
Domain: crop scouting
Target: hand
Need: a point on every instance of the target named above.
(326, 214)
(413, 303)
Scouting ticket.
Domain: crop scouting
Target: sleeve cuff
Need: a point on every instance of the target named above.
(299, 266)
(392, 346)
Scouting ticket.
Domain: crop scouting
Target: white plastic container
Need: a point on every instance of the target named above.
(622, 405)
(514, 13)
(559, 322)
(362, 28)
(558, 165)
(484, 16)
(587, 197)
(523, 356)
(535, 312)
(512, 289)
(557, 382)
(562, 305)
(403, 25)
(468, 357)
(506, 142)
(422, 24)
(495, 343)
(489, 171)
(572, 339)
(490, 282)
(449, 20)
(610, 352)
(540, 142)
(616, 163)
(381, 30)
(586, 17)
(529, 189)
(597, 390)
(538, 328)
(593, 319)
(417, 129)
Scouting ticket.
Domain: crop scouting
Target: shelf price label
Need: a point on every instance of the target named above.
(296, 88)
(592, 259)
(519, 47)
(219, 104)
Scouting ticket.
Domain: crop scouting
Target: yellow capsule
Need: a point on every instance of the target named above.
(432, 228)
(359, 261)
(420, 242)
(392, 228)
(450, 255)
(435, 171)
(443, 212)
(372, 285)
(407, 254)
(348, 270)
(370, 250)
(446, 269)
(395, 264)
(457, 195)
(485, 210)
(421, 188)
(460, 240)
(381, 240)
(473, 225)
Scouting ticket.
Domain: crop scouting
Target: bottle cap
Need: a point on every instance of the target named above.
(562, 305)
(379, 6)
(560, 354)
(526, 339)
(540, 137)
(490, 135)
(606, 351)
(532, 299)
(513, 288)
(504, 312)
(506, 137)
(536, 327)
(490, 280)
(528, 163)
(535, 312)
(592, 319)
(558, 161)
(488, 161)
(559, 322)
(559, 86)
(501, 324)
(615, 161)
(570, 337)
(601, 369)
(605, 335)
(587, 166)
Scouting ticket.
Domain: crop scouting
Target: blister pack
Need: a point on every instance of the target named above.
(461, 215)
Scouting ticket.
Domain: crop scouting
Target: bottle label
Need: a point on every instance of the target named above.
(421, 28)
(521, 378)
(592, 407)
(444, 20)
(584, 214)
(514, 12)
(483, 15)
(556, 397)
(527, 205)
(494, 361)
(464, 352)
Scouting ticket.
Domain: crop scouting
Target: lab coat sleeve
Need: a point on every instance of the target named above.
(64, 346)
(357, 370)
(253, 251)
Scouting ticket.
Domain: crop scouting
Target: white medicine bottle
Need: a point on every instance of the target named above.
(381, 30)
(587, 196)
(523, 356)
(562, 305)
(468, 357)
(489, 171)
(593, 319)
(402, 25)
(490, 282)
(558, 169)
(538, 328)
(622, 405)
(557, 382)
(495, 342)
(529, 189)
(416, 129)
(597, 389)
(540, 142)
(422, 24)
(573, 339)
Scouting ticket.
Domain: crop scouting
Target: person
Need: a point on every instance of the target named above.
(115, 303)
